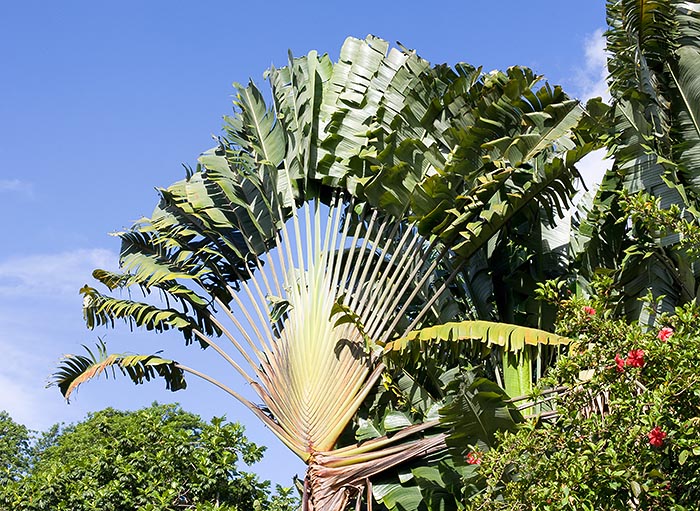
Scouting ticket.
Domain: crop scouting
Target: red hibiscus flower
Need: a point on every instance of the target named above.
(665, 334)
(620, 362)
(589, 310)
(635, 358)
(473, 458)
(656, 437)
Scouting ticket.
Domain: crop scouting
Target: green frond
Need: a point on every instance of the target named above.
(686, 77)
(500, 169)
(99, 309)
(475, 410)
(512, 338)
(74, 370)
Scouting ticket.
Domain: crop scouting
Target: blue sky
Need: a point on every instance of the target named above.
(102, 102)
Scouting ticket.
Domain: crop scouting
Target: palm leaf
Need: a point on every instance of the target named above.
(475, 410)
(515, 341)
(75, 370)
(512, 338)
(687, 81)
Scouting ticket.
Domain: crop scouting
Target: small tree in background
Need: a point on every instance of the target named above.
(15, 449)
(159, 458)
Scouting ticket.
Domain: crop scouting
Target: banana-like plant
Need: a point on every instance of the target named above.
(323, 230)
(653, 135)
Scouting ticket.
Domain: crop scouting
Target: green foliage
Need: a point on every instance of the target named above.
(475, 410)
(653, 137)
(602, 452)
(654, 224)
(76, 369)
(15, 449)
(155, 459)
(512, 338)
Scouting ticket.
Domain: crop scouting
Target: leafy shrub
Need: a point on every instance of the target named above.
(627, 434)
(159, 458)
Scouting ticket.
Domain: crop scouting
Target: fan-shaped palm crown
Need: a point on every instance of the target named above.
(333, 222)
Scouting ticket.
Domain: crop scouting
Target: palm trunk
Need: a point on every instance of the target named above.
(332, 481)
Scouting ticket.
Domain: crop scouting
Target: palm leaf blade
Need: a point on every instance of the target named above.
(75, 370)
(512, 338)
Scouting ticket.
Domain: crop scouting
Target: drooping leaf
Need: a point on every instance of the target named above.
(512, 337)
(475, 410)
(77, 369)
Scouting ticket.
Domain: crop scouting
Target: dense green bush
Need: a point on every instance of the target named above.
(15, 449)
(159, 458)
(628, 429)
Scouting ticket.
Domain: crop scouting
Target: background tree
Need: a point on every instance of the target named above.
(158, 458)
(15, 449)
(653, 135)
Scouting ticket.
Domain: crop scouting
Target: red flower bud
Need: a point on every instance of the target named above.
(473, 458)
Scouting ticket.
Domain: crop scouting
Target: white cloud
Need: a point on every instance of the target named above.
(52, 274)
(592, 167)
(591, 81)
(21, 382)
(17, 186)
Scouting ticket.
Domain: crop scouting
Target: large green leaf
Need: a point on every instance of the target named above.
(77, 369)
(516, 343)
(511, 337)
(687, 81)
(475, 410)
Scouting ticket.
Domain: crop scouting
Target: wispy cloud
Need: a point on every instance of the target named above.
(591, 80)
(16, 186)
(52, 274)
(23, 381)
(40, 313)
(592, 167)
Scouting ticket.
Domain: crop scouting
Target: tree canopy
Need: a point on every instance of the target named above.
(15, 449)
(158, 458)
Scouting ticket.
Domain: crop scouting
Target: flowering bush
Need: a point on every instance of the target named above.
(627, 434)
